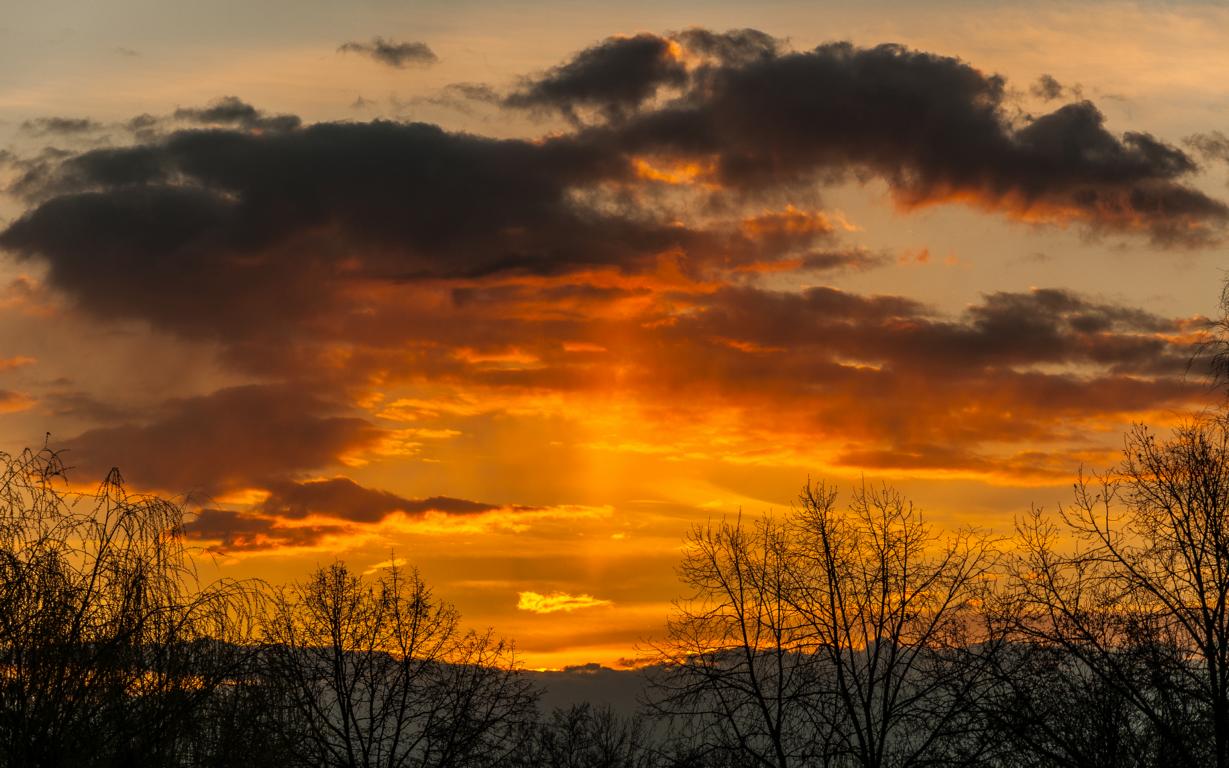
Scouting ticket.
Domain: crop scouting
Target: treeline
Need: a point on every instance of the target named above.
(845, 633)
(858, 635)
(111, 653)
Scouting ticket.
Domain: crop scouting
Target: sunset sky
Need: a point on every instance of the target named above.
(521, 292)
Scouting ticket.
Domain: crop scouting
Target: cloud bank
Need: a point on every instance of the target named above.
(629, 252)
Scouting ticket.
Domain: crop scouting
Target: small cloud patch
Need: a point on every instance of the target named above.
(14, 402)
(21, 361)
(391, 52)
(555, 602)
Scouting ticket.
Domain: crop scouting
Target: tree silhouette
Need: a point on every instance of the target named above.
(1132, 581)
(379, 673)
(107, 644)
(833, 637)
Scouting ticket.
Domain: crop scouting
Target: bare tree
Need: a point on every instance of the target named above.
(1049, 709)
(895, 611)
(585, 736)
(834, 637)
(380, 674)
(1142, 598)
(108, 646)
(738, 673)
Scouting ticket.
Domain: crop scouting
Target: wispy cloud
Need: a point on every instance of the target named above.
(20, 361)
(391, 52)
(14, 402)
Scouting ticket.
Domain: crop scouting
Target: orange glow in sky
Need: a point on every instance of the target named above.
(523, 316)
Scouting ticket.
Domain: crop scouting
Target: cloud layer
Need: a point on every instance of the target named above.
(662, 244)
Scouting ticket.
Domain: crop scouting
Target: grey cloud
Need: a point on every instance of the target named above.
(391, 52)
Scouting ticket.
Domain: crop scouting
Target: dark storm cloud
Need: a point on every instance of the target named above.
(238, 532)
(167, 254)
(65, 126)
(197, 231)
(934, 128)
(873, 369)
(1005, 330)
(49, 176)
(620, 74)
(239, 437)
(275, 522)
(887, 374)
(392, 53)
(343, 498)
(262, 236)
(613, 77)
(231, 110)
(223, 216)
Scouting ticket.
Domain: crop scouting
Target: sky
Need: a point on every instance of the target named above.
(520, 293)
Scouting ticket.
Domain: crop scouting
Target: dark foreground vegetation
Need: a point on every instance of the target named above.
(842, 634)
